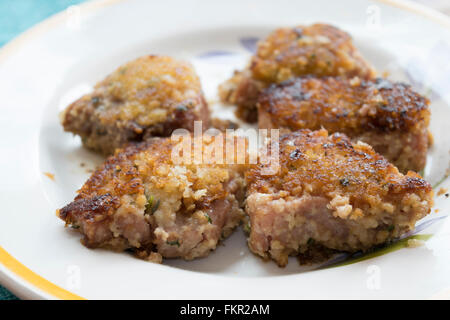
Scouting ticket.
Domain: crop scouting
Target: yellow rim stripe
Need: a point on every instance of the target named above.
(33, 278)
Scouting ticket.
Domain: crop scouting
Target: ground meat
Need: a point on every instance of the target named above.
(142, 200)
(319, 49)
(389, 116)
(330, 193)
(150, 96)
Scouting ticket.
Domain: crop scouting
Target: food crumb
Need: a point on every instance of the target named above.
(414, 243)
(430, 138)
(154, 257)
(82, 164)
(442, 191)
(436, 210)
(49, 175)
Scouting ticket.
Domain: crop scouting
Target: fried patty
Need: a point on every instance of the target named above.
(330, 193)
(141, 199)
(149, 96)
(318, 49)
(389, 116)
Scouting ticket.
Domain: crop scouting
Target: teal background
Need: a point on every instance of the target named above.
(16, 16)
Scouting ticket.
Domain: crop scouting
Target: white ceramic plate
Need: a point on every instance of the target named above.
(51, 65)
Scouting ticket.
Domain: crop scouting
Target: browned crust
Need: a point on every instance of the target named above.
(329, 163)
(116, 112)
(80, 119)
(100, 197)
(243, 91)
(330, 193)
(120, 172)
(319, 49)
(191, 206)
(350, 106)
(89, 209)
(389, 116)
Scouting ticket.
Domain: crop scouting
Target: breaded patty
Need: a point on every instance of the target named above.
(143, 200)
(319, 49)
(150, 96)
(330, 193)
(391, 117)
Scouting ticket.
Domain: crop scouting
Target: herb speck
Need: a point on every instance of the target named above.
(174, 243)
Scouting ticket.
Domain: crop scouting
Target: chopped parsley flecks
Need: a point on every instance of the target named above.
(95, 100)
(152, 205)
(174, 243)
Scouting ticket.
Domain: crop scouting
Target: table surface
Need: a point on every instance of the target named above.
(18, 16)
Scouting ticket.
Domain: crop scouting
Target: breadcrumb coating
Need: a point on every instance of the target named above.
(378, 112)
(318, 49)
(331, 193)
(149, 96)
(140, 199)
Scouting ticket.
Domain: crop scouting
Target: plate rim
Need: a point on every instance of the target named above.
(17, 277)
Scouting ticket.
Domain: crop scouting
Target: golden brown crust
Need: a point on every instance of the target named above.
(119, 170)
(319, 49)
(150, 96)
(330, 193)
(350, 106)
(313, 162)
(389, 116)
(141, 199)
(89, 208)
